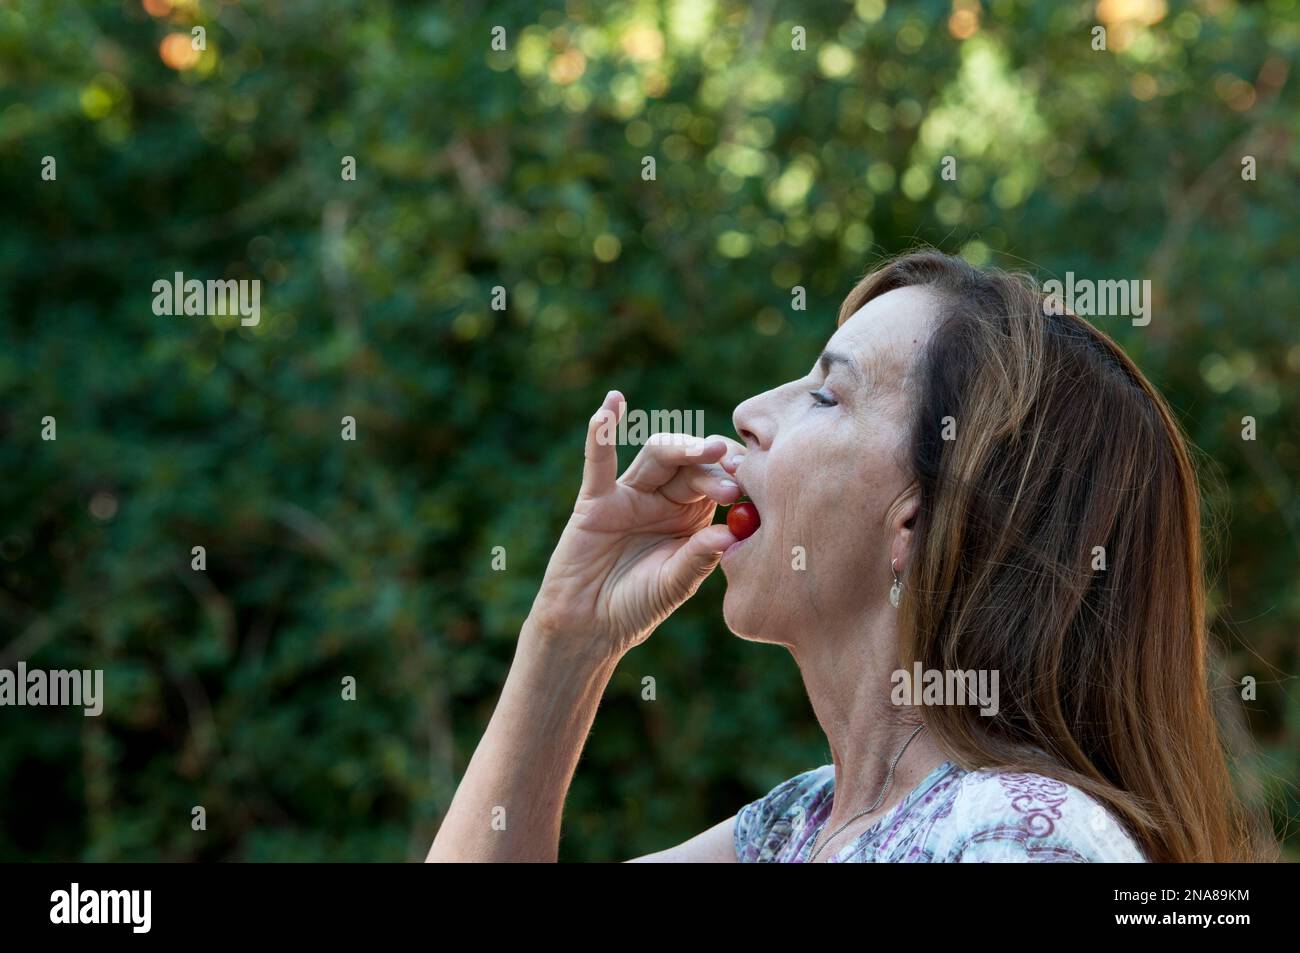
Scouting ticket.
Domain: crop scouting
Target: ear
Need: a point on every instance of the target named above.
(901, 526)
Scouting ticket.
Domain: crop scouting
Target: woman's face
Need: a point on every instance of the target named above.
(826, 467)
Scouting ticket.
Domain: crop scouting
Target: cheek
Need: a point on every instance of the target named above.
(830, 498)
(807, 501)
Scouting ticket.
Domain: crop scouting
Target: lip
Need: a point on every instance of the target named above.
(744, 494)
(734, 546)
(744, 490)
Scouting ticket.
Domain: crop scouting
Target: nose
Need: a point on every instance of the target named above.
(753, 422)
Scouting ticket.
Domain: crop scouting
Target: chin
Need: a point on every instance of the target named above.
(741, 615)
(734, 612)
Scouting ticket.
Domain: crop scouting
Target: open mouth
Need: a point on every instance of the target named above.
(743, 521)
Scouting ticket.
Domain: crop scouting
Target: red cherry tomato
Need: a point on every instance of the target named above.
(742, 520)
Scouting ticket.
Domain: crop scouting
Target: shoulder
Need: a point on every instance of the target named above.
(764, 827)
(1021, 817)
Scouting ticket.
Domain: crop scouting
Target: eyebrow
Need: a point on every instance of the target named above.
(830, 358)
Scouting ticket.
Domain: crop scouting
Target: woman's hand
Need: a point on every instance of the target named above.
(636, 546)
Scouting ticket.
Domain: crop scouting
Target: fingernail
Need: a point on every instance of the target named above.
(729, 483)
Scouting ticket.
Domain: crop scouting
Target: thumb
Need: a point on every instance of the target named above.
(695, 559)
(600, 469)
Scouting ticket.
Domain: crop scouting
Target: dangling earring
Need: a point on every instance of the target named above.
(896, 590)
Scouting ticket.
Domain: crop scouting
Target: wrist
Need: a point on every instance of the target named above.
(545, 639)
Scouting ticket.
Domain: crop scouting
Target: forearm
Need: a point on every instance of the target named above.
(509, 804)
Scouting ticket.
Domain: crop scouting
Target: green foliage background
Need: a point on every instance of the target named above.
(522, 169)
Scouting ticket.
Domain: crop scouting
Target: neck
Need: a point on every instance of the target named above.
(847, 674)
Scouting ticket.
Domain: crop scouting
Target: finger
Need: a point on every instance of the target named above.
(600, 469)
(701, 482)
(664, 454)
(692, 563)
(735, 452)
(732, 446)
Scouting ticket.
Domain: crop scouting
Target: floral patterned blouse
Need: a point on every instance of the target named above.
(952, 816)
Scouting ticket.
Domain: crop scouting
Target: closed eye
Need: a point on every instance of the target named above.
(823, 398)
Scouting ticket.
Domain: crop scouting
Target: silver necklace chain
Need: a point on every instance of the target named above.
(889, 780)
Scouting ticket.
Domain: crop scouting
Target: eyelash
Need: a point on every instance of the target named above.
(821, 399)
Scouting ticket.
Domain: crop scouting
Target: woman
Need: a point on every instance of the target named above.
(965, 479)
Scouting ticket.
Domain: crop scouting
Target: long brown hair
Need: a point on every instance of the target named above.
(1035, 440)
